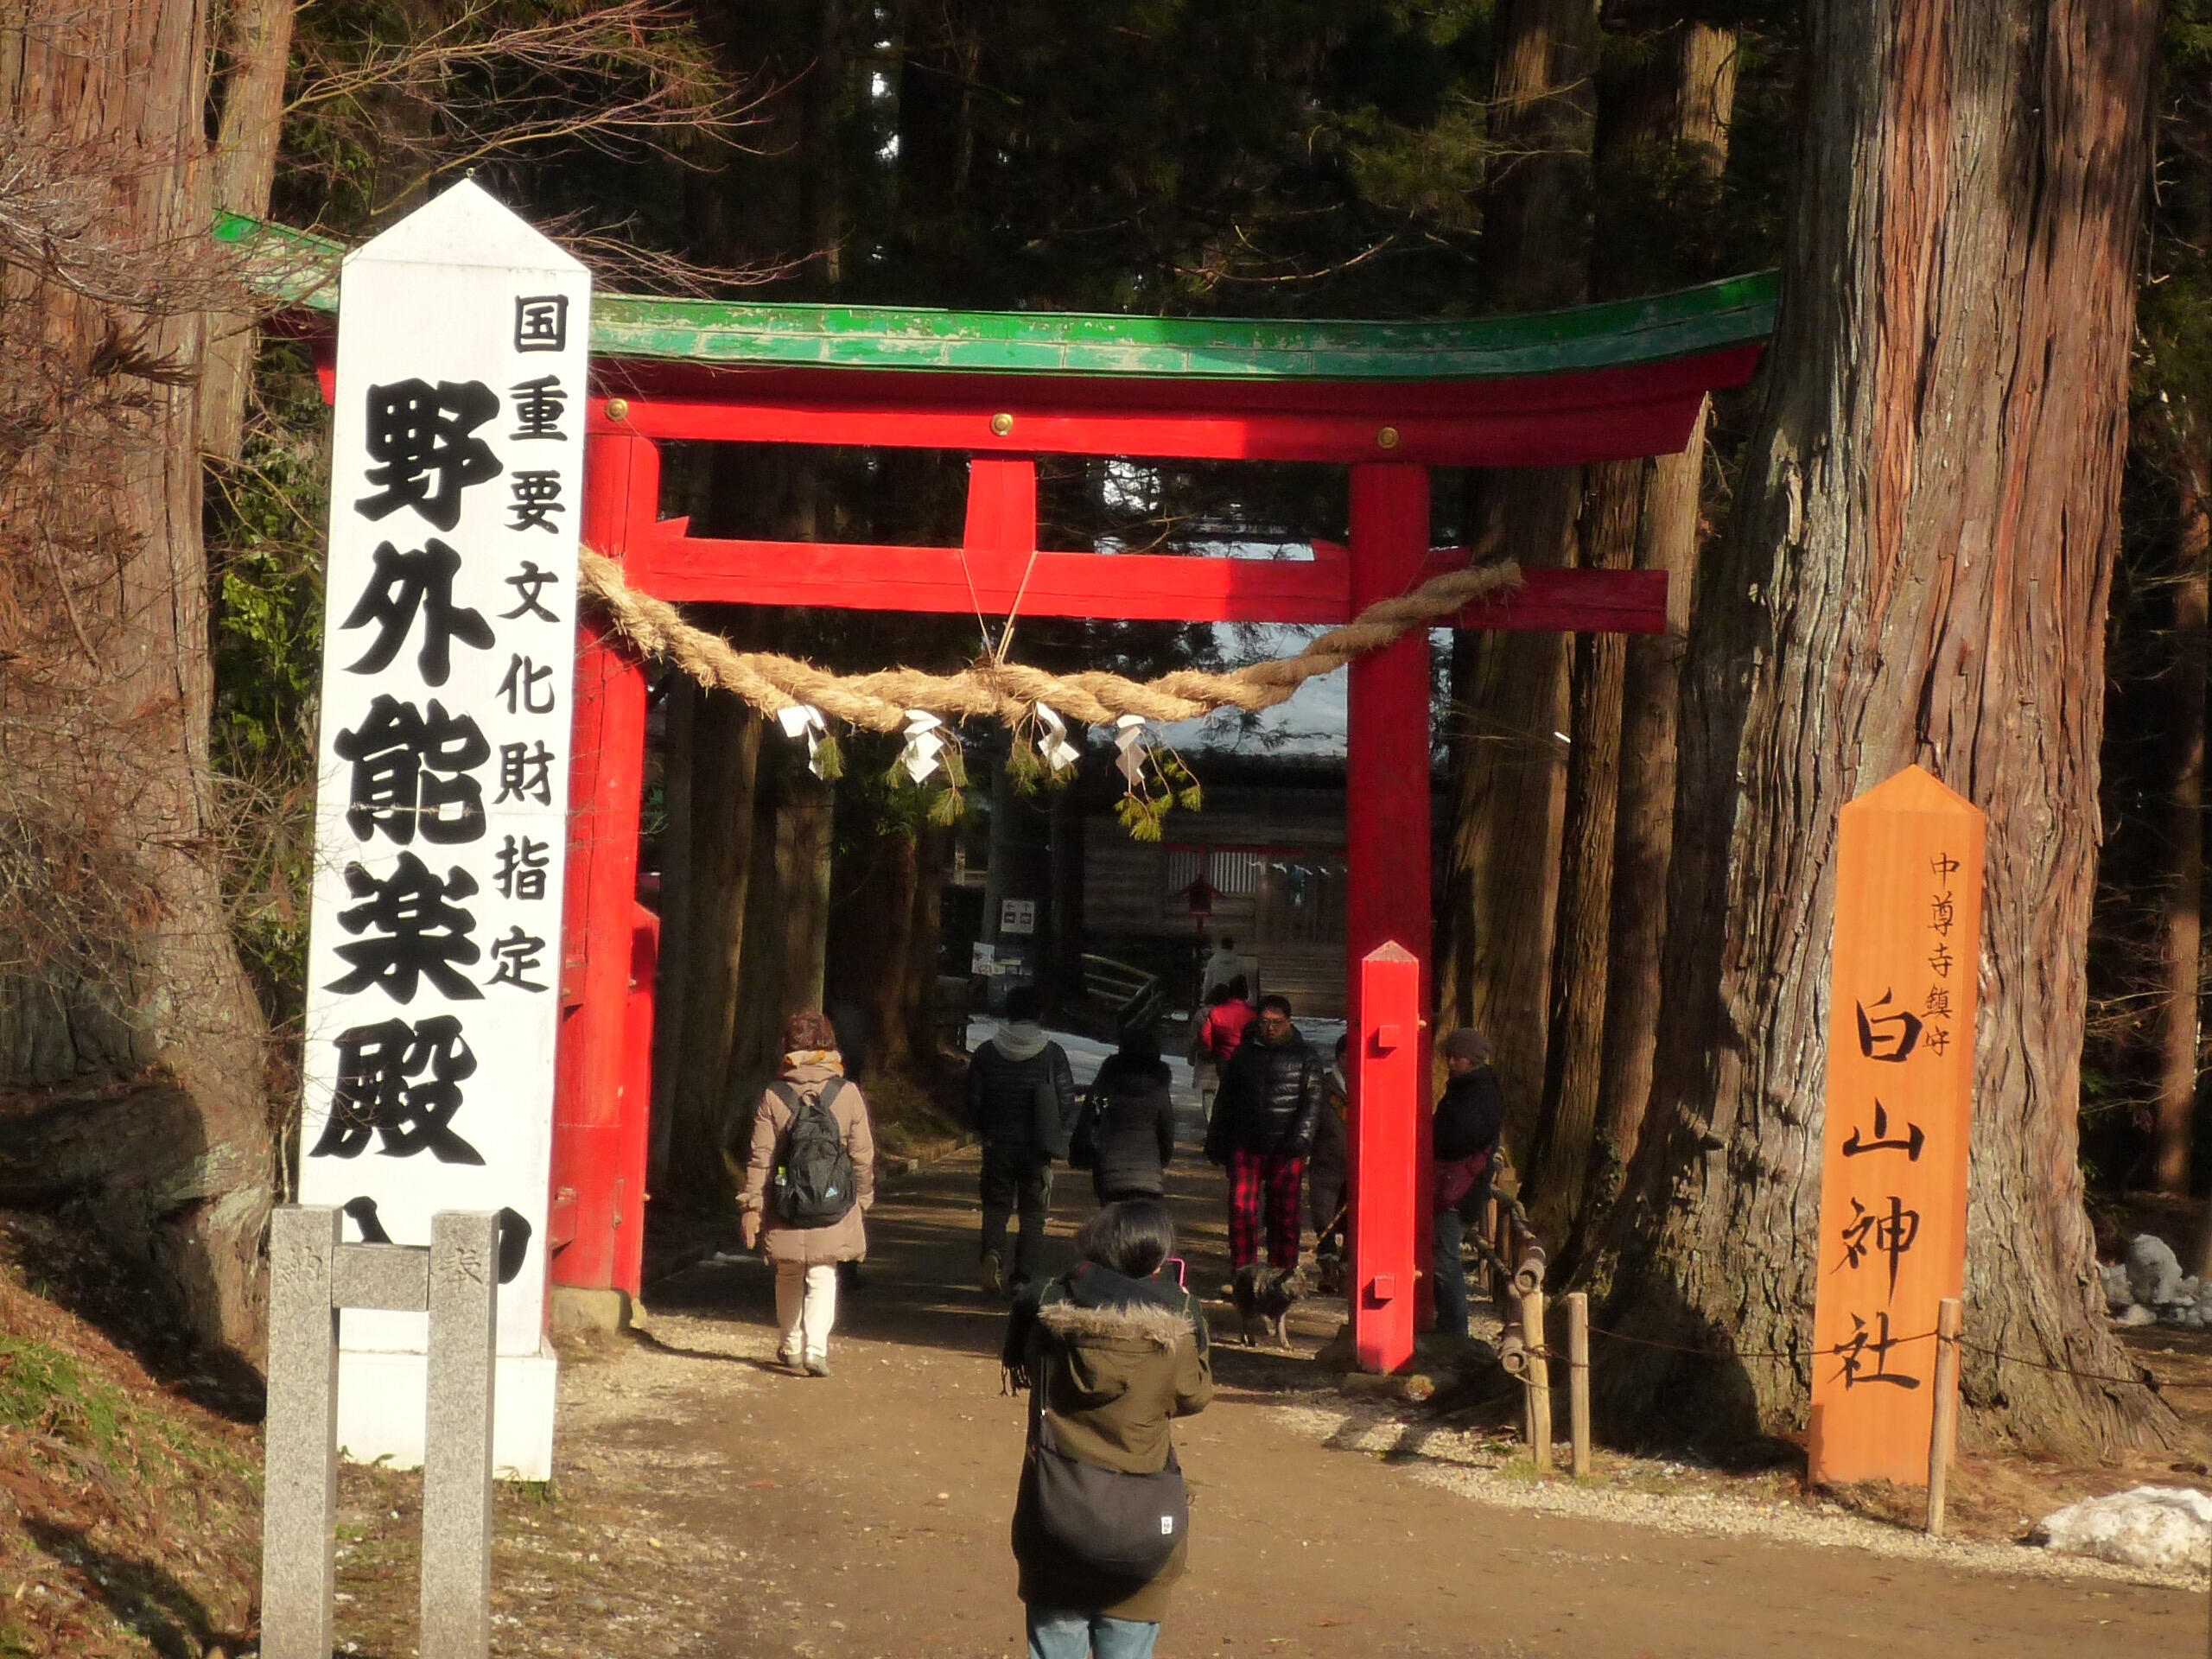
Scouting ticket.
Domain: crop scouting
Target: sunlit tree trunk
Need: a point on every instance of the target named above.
(1918, 572)
(257, 45)
(123, 988)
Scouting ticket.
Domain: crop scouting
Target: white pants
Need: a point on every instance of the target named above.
(806, 1306)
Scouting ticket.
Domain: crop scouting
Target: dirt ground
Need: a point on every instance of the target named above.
(706, 1504)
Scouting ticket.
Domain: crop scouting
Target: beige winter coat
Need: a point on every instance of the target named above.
(843, 1240)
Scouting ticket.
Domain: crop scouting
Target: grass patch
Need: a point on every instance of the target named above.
(42, 1392)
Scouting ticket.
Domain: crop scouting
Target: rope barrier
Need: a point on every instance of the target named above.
(1010, 692)
(1708, 1353)
(2147, 1380)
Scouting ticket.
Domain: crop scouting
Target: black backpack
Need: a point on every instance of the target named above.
(814, 1178)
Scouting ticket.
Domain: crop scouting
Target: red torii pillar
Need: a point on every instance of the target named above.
(1387, 833)
(602, 1098)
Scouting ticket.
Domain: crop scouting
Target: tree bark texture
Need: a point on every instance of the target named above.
(803, 847)
(2180, 1019)
(726, 755)
(933, 869)
(756, 1047)
(1576, 1021)
(1918, 572)
(1501, 867)
(1639, 137)
(889, 1048)
(820, 185)
(1678, 126)
(1644, 833)
(115, 956)
(257, 43)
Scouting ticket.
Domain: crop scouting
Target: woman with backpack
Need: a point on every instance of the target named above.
(809, 1179)
(1111, 1353)
(1125, 1135)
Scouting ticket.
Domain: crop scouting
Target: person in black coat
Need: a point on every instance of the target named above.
(1328, 1170)
(1464, 1137)
(1263, 1123)
(1126, 1136)
(1021, 1100)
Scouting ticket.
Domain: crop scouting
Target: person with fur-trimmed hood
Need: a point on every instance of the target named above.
(1112, 1352)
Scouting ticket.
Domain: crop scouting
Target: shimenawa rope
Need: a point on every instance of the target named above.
(1011, 691)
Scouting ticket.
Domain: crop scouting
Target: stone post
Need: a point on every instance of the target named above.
(312, 1276)
(457, 1449)
(300, 1481)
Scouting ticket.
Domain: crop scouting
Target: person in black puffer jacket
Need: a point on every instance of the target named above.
(1006, 1080)
(1263, 1123)
(1463, 1138)
(1126, 1136)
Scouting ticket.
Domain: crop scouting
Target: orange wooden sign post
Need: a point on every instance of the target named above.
(1900, 1097)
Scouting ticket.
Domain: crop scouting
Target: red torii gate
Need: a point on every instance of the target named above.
(1390, 400)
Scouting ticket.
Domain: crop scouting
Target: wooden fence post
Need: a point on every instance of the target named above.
(1578, 1379)
(1944, 1431)
(1540, 1382)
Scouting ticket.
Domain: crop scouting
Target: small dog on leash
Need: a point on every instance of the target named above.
(1265, 1296)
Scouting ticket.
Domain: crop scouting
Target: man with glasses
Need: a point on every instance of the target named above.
(1271, 1100)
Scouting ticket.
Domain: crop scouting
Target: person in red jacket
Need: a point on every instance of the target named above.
(1228, 1015)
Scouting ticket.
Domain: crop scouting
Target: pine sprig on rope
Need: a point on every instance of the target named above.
(1164, 782)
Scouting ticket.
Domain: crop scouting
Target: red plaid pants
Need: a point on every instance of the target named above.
(1257, 1178)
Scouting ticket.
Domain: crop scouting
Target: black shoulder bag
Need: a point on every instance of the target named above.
(1118, 1525)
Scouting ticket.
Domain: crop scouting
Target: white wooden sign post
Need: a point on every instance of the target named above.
(448, 663)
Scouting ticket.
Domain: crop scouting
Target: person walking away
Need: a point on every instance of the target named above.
(1021, 1100)
(1229, 1016)
(1111, 1353)
(1463, 1135)
(809, 1183)
(1223, 966)
(1125, 1135)
(1264, 1127)
(1327, 1171)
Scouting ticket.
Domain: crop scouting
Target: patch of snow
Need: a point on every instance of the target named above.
(2154, 1276)
(2118, 1296)
(2164, 1528)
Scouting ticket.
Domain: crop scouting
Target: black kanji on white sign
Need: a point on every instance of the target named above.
(422, 438)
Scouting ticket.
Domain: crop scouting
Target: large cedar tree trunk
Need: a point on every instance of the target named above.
(1918, 572)
(1662, 131)
(1501, 863)
(1576, 1019)
(258, 44)
(122, 993)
